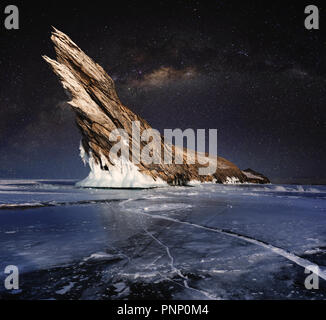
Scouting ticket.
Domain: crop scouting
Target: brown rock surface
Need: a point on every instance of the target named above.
(99, 111)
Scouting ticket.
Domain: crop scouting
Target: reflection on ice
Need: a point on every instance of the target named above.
(201, 242)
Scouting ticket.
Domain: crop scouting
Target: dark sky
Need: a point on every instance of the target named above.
(249, 69)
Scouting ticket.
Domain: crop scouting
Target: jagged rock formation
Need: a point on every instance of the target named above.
(99, 111)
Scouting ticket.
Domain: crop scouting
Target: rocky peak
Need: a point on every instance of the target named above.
(99, 111)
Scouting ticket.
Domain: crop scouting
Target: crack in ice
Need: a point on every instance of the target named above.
(173, 267)
(279, 251)
(176, 270)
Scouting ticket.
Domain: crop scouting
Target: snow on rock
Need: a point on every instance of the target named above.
(232, 180)
(99, 112)
(124, 174)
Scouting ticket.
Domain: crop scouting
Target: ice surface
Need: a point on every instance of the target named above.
(202, 242)
(66, 289)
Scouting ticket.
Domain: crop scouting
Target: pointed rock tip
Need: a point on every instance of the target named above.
(46, 57)
(55, 30)
(59, 36)
(50, 61)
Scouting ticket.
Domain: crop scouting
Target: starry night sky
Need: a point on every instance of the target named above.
(249, 69)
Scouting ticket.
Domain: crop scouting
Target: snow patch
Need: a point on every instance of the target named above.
(167, 207)
(194, 183)
(293, 189)
(102, 256)
(66, 289)
(140, 275)
(124, 174)
(252, 176)
(21, 205)
(313, 251)
(231, 180)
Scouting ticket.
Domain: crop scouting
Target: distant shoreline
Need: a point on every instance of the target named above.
(303, 182)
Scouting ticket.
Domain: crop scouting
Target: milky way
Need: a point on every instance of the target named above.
(251, 70)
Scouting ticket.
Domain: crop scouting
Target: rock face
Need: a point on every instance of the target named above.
(99, 111)
(255, 177)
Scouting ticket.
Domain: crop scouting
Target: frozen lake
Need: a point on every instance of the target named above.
(201, 242)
